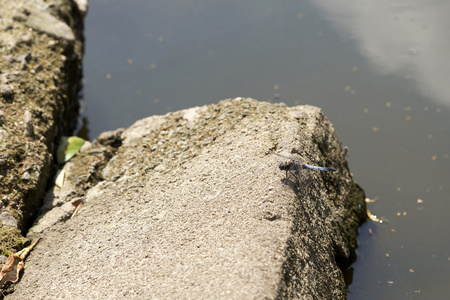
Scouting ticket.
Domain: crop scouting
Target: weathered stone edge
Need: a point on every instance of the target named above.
(40, 81)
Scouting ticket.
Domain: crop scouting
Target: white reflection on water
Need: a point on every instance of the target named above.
(403, 37)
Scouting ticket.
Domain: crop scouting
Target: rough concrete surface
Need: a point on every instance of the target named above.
(41, 46)
(193, 206)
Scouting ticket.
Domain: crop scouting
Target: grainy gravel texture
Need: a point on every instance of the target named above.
(193, 206)
(41, 47)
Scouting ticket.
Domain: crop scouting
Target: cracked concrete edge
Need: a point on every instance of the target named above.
(82, 173)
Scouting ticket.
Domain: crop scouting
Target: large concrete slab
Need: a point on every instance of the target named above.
(193, 206)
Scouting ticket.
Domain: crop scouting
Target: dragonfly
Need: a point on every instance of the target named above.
(296, 165)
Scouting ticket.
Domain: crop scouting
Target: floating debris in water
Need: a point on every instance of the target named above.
(371, 215)
(375, 218)
(349, 89)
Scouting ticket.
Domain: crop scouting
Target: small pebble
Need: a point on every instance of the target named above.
(7, 92)
(28, 123)
(3, 135)
(24, 57)
(3, 259)
(7, 219)
(9, 59)
(26, 177)
(27, 39)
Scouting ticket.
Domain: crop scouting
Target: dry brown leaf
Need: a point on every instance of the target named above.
(77, 204)
(11, 269)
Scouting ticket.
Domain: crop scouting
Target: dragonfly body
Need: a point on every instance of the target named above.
(295, 165)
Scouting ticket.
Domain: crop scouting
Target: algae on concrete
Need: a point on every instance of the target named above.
(40, 74)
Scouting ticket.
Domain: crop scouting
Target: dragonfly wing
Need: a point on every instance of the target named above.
(295, 171)
(318, 168)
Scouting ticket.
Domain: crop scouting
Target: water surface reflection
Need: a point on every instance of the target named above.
(405, 38)
(379, 71)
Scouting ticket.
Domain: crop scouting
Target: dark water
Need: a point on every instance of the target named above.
(379, 69)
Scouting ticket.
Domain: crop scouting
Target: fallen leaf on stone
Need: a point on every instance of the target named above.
(59, 182)
(15, 263)
(77, 204)
(11, 269)
(68, 147)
